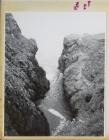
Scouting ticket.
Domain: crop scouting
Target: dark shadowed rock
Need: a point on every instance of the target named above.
(82, 63)
(25, 83)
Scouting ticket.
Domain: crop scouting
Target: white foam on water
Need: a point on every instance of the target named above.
(56, 113)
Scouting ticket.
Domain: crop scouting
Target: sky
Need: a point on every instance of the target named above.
(50, 28)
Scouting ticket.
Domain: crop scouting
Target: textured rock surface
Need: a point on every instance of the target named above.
(25, 83)
(82, 63)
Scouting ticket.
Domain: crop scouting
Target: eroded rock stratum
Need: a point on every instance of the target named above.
(25, 84)
(82, 63)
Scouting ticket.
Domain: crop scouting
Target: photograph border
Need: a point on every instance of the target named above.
(50, 6)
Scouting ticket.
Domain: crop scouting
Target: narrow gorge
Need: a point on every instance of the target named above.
(71, 104)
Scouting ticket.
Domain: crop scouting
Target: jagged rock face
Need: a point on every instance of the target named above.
(82, 63)
(25, 83)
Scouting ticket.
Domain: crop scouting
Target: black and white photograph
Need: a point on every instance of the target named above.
(54, 73)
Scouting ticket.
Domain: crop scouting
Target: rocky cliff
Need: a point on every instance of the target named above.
(25, 84)
(82, 63)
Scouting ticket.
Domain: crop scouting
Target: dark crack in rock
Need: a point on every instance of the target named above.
(25, 84)
(82, 63)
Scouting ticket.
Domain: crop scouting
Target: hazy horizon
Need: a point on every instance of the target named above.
(50, 28)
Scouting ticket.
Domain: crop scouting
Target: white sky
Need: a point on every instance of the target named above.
(49, 30)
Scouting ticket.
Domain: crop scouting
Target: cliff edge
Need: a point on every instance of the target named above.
(82, 64)
(25, 84)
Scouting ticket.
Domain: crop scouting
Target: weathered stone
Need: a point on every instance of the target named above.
(25, 83)
(82, 63)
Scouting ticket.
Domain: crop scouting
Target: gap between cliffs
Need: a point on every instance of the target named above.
(55, 107)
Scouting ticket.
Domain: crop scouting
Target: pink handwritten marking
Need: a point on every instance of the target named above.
(77, 4)
(85, 6)
(89, 2)
(75, 8)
